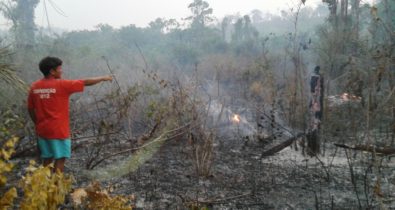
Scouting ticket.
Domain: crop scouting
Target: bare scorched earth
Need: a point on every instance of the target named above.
(240, 179)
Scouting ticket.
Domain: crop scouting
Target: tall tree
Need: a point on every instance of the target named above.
(247, 27)
(244, 30)
(332, 4)
(224, 26)
(21, 13)
(158, 25)
(163, 25)
(355, 11)
(201, 13)
(238, 30)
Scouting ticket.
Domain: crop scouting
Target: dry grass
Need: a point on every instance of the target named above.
(7, 72)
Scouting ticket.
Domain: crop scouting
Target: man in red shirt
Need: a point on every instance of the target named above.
(48, 106)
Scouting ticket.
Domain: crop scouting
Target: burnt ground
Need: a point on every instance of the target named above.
(240, 179)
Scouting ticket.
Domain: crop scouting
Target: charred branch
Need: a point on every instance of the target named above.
(369, 148)
(172, 134)
(30, 151)
(215, 201)
(281, 146)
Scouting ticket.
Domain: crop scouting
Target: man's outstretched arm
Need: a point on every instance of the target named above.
(95, 80)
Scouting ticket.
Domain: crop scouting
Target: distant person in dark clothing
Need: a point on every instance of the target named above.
(315, 77)
(316, 110)
(317, 92)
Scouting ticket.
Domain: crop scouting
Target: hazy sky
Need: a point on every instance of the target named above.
(85, 14)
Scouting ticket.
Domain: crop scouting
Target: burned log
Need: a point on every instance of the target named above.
(313, 142)
(165, 136)
(369, 148)
(30, 151)
(281, 146)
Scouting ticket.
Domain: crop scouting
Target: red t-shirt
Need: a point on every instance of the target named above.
(50, 100)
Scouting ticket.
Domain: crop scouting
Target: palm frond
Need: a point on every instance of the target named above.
(7, 72)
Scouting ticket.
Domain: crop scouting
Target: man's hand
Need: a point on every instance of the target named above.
(107, 78)
(95, 80)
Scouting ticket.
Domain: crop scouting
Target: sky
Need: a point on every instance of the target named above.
(86, 14)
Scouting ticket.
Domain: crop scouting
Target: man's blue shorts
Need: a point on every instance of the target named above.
(54, 148)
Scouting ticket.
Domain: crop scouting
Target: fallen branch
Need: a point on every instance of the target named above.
(82, 141)
(93, 136)
(30, 151)
(281, 146)
(158, 139)
(369, 148)
(33, 150)
(276, 123)
(217, 201)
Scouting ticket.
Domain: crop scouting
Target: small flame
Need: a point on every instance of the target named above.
(236, 118)
(350, 97)
(345, 97)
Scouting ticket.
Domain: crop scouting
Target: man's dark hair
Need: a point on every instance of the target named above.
(317, 69)
(48, 63)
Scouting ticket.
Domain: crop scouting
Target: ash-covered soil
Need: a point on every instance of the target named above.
(240, 179)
